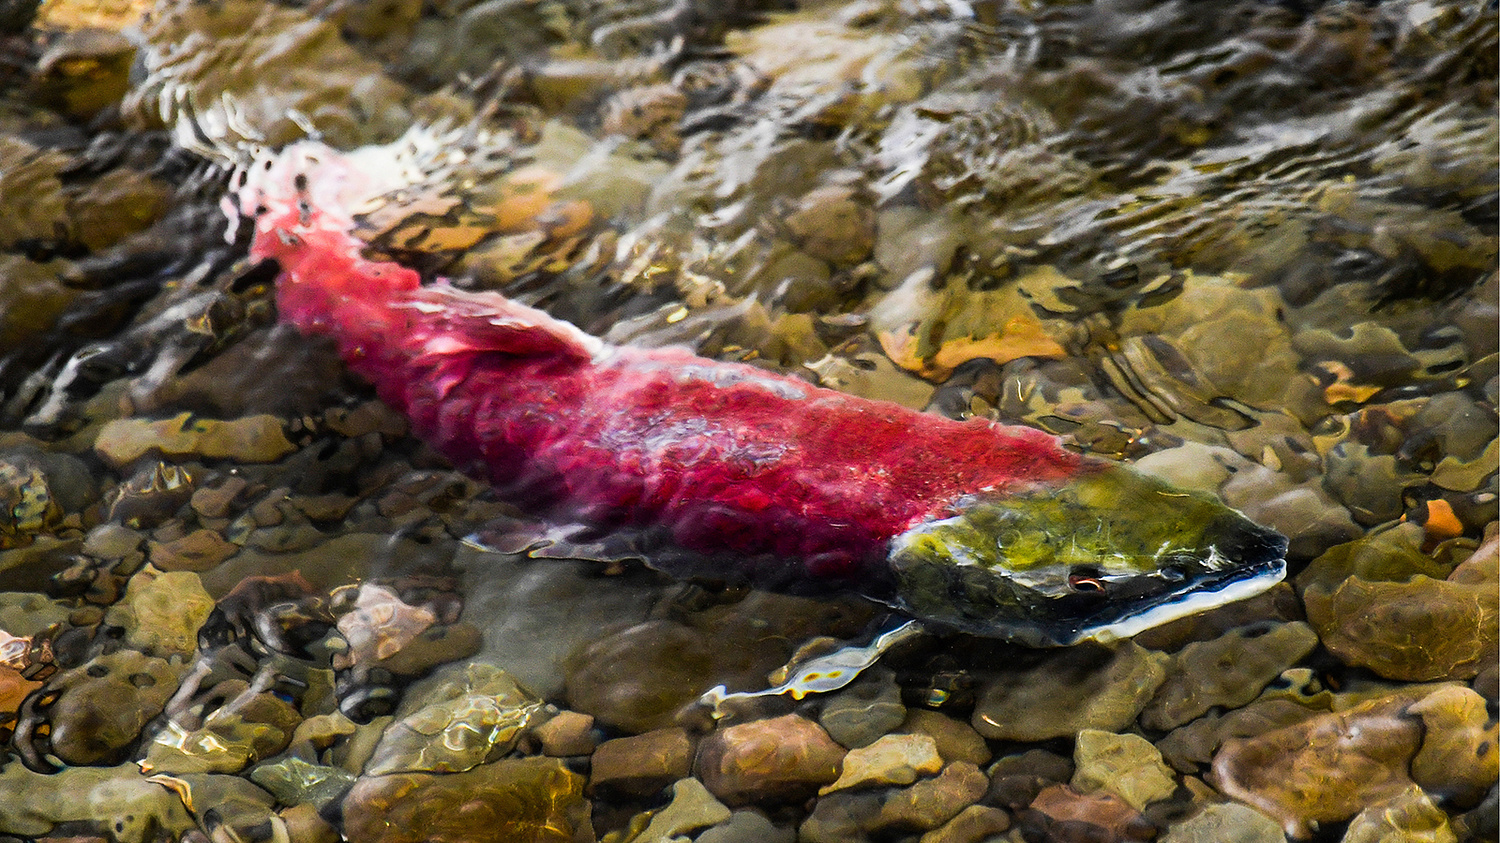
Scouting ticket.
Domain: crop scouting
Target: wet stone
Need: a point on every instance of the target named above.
(1083, 687)
(692, 808)
(525, 800)
(455, 723)
(1226, 822)
(894, 759)
(1015, 780)
(1125, 765)
(955, 739)
(1407, 817)
(1060, 812)
(865, 710)
(643, 764)
(1326, 768)
(248, 727)
(162, 611)
(1229, 671)
(249, 439)
(1460, 755)
(102, 705)
(843, 817)
(932, 802)
(782, 759)
(294, 781)
(566, 733)
(747, 826)
(196, 551)
(973, 824)
(134, 810)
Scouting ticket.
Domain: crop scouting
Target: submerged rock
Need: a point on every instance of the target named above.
(1331, 766)
(118, 801)
(1083, 687)
(1229, 671)
(520, 800)
(1125, 765)
(469, 716)
(778, 760)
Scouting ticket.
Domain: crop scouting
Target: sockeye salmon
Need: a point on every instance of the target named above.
(750, 475)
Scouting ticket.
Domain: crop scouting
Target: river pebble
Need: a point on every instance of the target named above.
(782, 759)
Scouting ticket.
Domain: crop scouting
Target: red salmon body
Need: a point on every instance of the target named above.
(979, 526)
(726, 456)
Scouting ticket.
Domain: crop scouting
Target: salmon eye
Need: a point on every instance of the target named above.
(1085, 584)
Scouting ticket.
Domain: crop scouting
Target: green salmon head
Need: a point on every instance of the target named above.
(1110, 554)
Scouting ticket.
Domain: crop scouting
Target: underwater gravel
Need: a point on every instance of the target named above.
(1250, 247)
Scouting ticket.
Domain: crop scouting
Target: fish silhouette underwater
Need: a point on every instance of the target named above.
(746, 475)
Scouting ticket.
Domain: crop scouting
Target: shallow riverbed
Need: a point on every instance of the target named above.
(1249, 247)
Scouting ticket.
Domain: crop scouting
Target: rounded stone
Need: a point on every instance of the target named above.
(522, 800)
(865, 710)
(777, 760)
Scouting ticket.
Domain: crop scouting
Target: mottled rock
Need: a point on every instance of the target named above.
(973, 824)
(249, 726)
(1419, 630)
(931, 802)
(162, 611)
(865, 710)
(119, 801)
(1326, 768)
(1229, 671)
(1015, 780)
(249, 439)
(305, 825)
(782, 759)
(643, 764)
(25, 613)
(1226, 822)
(214, 501)
(1084, 687)
(692, 808)
(1303, 512)
(566, 733)
(1460, 755)
(747, 826)
(955, 739)
(843, 817)
(894, 759)
(623, 681)
(296, 782)
(1407, 817)
(522, 800)
(1060, 812)
(832, 224)
(454, 723)
(101, 706)
(1125, 765)
(196, 551)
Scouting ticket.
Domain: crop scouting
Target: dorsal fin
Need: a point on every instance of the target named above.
(487, 321)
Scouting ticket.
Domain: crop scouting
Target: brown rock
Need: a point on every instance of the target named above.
(930, 803)
(1112, 819)
(196, 551)
(955, 739)
(519, 800)
(973, 824)
(567, 733)
(894, 759)
(642, 765)
(782, 759)
(1326, 768)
